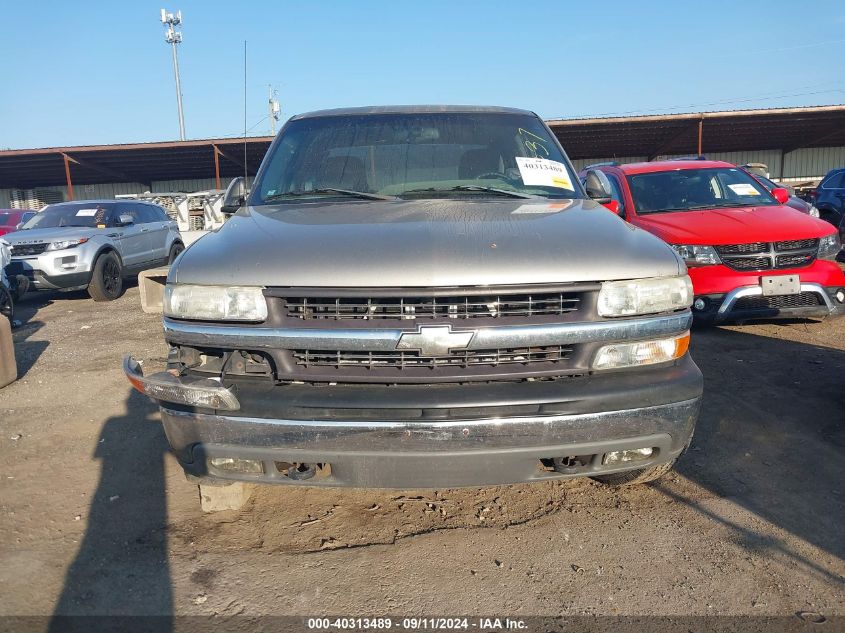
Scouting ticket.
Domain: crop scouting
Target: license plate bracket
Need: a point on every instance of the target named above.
(780, 285)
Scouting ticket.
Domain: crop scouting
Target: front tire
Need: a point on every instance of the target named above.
(107, 279)
(635, 477)
(175, 251)
(7, 304)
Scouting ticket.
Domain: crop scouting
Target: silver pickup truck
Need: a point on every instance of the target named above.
(425, 297)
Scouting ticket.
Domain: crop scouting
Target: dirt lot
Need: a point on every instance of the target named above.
(98, 519)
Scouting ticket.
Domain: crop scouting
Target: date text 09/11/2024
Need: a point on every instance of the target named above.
(416, 624)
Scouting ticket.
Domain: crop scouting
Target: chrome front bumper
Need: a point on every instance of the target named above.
(427, 454)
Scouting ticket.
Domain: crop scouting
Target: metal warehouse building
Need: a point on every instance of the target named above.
(799, 145)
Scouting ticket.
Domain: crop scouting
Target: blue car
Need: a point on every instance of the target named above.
(830, 196)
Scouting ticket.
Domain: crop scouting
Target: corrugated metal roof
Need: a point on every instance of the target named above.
(783, 129)
(133, 162)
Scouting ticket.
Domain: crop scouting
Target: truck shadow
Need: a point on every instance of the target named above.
(771, 434)
(122, 564)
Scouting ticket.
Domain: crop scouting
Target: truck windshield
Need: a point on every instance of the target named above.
(82, 214)
(696, 189)
(416, 155)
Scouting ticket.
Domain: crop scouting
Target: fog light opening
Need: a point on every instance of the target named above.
(840, 295)
(569, 464)
(237, 465)
(66, 263)
(630, 455)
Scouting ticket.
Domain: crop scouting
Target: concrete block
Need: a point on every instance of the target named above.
(232, 497)
(151, 285)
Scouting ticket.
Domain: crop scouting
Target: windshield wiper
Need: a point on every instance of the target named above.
(344, 192)
(500, 192)
(696, 207)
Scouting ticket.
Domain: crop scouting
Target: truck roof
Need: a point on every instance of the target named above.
(671, 165)
(411, 109)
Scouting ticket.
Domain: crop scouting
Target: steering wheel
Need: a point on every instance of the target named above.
(493, 174)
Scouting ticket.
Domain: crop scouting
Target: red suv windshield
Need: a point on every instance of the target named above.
(694, 189)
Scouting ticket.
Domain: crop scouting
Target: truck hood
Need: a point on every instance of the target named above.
(38, 236)
(424, 243)
(734, 226)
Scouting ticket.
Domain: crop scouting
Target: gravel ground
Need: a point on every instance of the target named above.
(97, 517)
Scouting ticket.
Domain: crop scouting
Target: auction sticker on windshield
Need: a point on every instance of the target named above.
(86, 213)
(744, 189)
(543, 172)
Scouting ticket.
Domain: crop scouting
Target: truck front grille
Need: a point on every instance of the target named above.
(28, 249)
(769, 255)
(316, 310)
(403, 359)
(454, 307)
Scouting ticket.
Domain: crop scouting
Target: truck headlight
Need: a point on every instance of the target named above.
(214, 303)
(63, 244)
(697, 255)
(829, 247)
(644, 296)
(620, 355)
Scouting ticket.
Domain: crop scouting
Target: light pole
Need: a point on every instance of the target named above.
(173, 38)
(274, 109)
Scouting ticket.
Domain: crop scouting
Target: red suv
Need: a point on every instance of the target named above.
(749, 255)
(11, 218)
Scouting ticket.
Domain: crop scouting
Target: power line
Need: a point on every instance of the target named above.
(783, 48)
(765, 96)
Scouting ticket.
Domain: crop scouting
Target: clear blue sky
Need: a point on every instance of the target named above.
(76, 73)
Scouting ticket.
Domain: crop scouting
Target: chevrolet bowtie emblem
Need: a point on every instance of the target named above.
(436, 340)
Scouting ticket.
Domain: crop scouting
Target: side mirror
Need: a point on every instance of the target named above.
(614, 206)
(235, 196)
(19, 226)
(598, 186)
(126, 219)
(781, 194)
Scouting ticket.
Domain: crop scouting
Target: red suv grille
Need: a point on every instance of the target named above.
(769, 255)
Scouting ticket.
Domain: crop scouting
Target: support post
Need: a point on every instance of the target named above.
(216, 167)
(67, 176)
(700, 135)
